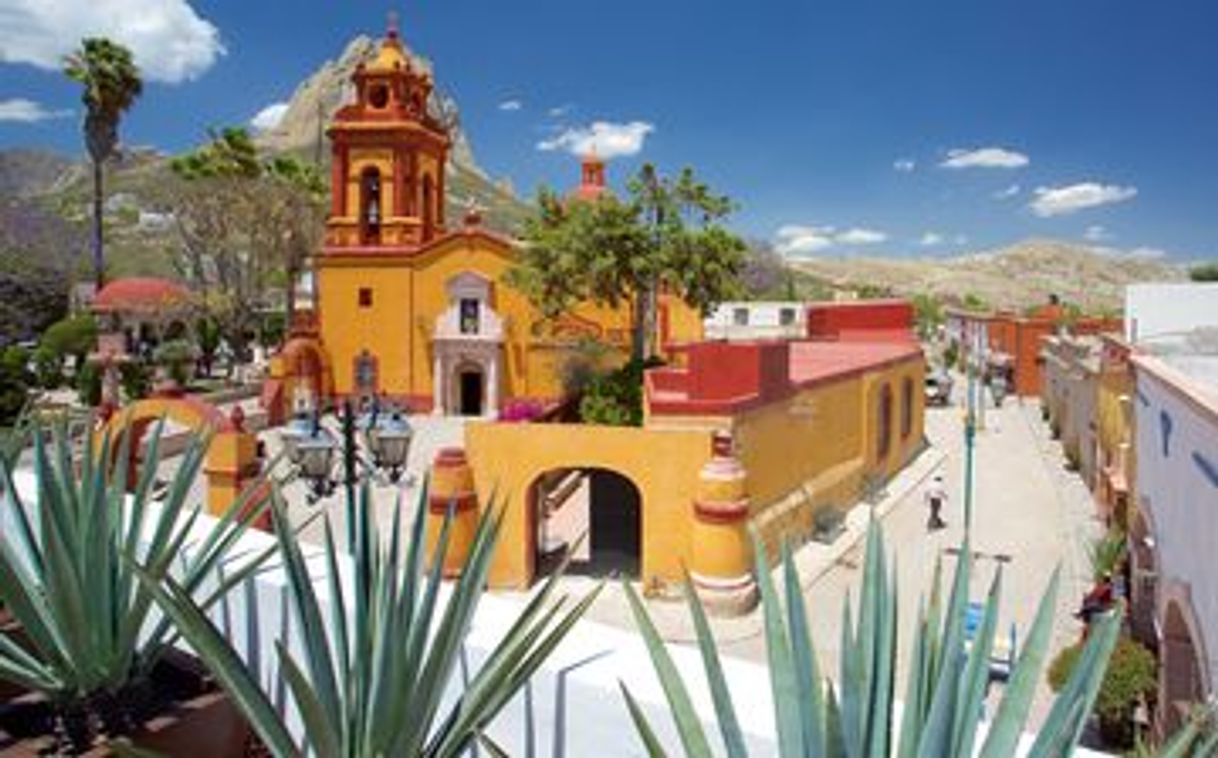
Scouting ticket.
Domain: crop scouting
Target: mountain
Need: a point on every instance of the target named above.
(318, 97)
(26, 172)
(1014, 277)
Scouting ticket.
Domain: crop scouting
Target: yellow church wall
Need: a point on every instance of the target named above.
(383, 328)
(507, 458)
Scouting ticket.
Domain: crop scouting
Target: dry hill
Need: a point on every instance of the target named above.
(1014, 277)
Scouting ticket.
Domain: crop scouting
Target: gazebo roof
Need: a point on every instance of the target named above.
(142, 295)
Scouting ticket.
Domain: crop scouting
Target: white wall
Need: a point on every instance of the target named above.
(764, 321)
(1181, 500)
(1157, 309)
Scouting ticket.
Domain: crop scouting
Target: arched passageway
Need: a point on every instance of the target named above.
(599, 505)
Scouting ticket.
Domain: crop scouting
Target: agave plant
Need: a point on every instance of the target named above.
(373, 671)
(66, 579)
(1198, 738)
(1106, 554)
(943, 696)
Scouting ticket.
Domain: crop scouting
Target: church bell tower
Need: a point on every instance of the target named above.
(388, 158)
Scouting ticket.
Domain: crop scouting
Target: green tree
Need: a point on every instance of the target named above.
(668, 233)
(72, 337)
(1129, 679)
(1205, 272)
(928, 314)
(246, 226)
(111, 84)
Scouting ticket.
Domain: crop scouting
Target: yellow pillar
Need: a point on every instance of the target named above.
(722, 557)
(231, 466)
(452, 486)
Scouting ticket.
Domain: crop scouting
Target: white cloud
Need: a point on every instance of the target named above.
(171, 43)
(904, 165)
(860, 237)
(1142, 252)
(984, 157)
(511, 105)
(602, 138)
(1061, 201)
(930, 239)
(1007, 192)
(25, 111)
(559, 111)
(1096, 233)
(797, 239)
(1148, 252)
(269, 117)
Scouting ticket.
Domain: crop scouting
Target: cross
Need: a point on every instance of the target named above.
(392, 25)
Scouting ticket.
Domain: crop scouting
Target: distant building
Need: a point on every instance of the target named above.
(756, 320)
(1014, 341)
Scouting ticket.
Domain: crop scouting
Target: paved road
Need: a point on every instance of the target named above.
(1027, 508)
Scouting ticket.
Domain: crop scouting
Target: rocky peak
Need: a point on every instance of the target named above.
(315, 101)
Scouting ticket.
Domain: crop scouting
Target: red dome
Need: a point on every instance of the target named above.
(142, 294)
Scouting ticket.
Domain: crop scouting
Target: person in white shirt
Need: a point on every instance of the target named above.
(936, 498)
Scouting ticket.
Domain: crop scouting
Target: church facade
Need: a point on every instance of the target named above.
(411, 308)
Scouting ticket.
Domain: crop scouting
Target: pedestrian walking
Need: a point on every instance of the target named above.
(936, 498)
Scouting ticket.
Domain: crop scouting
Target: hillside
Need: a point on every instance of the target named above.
(1014, 277)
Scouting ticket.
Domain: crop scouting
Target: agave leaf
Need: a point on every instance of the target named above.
(937, 729)
(689, 726)
(323, 735)
(880, 718)
(911, 715)
(1064, 724)
(976, 675)
(787, 718)
(803, 653)
(1007, 725)
(641, 725)
(725, 710)
(222, 661)
(491, 746)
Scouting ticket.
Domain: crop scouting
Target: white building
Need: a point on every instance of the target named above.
(757, 320)
(1174, 530)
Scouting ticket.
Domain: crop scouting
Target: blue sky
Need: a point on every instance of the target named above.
(829, 122)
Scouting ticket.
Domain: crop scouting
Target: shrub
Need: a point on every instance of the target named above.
(616, 398)
(48, 367)
(15, 381)
(951, 355)
(1129, 678)
(136, 380)
(73, 336)
(176, 357)
(89, 384)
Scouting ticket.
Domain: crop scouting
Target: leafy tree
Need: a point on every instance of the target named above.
(668, 235)
(1206, 272)
(246, 226)
(89, 384)
(48, 367)
(928, 314)
(974, 302)
(71, 337)
(176, 357)
(111, 84)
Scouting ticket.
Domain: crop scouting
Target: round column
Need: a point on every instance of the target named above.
(452, 486)
(722, 556)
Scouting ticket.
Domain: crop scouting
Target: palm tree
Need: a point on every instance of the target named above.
(111, 83)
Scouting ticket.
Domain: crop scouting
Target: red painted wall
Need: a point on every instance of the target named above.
(889, 320)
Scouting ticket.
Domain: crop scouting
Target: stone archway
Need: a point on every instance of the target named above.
(232, 457)
(1182, 674)
(597, 512)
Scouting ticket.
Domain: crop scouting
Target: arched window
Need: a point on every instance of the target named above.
(370, 205)
(907, 407)
(884, 426)
(428, 212)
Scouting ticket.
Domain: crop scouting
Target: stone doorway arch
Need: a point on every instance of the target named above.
(596, 512)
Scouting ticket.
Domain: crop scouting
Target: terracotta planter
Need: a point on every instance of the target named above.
(191, 716)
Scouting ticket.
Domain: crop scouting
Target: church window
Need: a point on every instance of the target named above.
(379, 96)
(365, 297)
(365, 373)
(469, 315)
(370, 204)
(884, 426)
